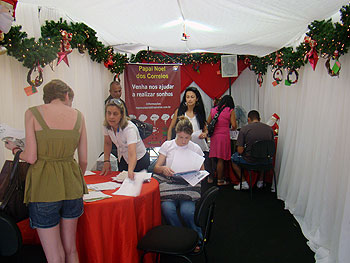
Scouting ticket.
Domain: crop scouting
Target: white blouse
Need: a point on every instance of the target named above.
(196, 132)
(122, 138)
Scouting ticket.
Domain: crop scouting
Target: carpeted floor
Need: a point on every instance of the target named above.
(253, 231)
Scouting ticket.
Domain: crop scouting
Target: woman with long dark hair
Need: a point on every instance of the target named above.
(192, 107)
(220, 144)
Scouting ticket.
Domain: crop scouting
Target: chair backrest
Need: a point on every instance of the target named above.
(204, 212)
(10, 237)
(263, 150)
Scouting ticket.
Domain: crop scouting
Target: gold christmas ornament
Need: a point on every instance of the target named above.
(3, 50)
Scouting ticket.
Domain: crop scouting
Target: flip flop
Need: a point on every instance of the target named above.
(210, 180)
(223, 182)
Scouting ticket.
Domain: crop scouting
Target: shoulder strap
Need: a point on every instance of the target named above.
(78, 122)
(39, 117)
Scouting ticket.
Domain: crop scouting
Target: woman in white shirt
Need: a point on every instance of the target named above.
(192, 107)
(174, 191)
(132, 154)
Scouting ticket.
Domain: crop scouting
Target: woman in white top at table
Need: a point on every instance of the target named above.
(132, 154)
(175, 191)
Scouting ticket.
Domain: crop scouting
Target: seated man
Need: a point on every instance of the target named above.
(250, 133)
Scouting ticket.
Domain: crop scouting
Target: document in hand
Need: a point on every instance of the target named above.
(194, 178)
(131, 187)
(186, 161)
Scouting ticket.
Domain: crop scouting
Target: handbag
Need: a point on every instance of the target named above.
(211, 125)
(145, 129)
(12, 183)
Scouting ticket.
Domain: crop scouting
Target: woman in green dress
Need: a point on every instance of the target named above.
(55, 183)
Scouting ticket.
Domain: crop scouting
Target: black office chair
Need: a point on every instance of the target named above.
(182, 241)
(263, 152)
(10, 238)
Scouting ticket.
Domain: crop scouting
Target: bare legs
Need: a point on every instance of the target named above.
(59, 242)
(220, 169)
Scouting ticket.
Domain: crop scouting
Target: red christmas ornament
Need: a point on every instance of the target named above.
(312, 55)
(66, 48)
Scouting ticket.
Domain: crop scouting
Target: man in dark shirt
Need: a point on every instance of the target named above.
(115, 92)
(248, 135)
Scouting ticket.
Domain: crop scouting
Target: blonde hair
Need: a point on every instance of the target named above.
(56, 89)
(184, 125)
(123, 120)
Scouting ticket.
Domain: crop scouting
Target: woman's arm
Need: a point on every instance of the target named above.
(82, 147)
(159, 168)
(132, 160)
(233, 120)
(172, 125)
(107, 148)
(30, 152)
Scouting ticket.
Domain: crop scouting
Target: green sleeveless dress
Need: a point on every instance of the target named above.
(55, 176)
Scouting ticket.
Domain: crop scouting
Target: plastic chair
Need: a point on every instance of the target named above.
(263, 152)
(182, 241)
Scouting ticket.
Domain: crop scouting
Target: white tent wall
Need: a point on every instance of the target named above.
(89, 81)
(312, 155)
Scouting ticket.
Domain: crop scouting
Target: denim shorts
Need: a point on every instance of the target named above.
(49, 214)
(238, 159)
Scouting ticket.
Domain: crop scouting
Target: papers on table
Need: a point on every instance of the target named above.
(95, 196)
(194, 178)
(89, 173)
(186, 161)
(132, 187)
(124, 174)
(103, 186)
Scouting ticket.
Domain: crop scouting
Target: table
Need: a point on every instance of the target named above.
(109, 229)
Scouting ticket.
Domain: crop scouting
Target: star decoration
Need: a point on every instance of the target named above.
(63, 56)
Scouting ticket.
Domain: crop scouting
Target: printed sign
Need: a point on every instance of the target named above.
(152, 93)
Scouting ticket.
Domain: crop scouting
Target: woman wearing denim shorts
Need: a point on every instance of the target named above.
(55, 183)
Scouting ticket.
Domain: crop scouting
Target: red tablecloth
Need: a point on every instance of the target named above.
(109, 229)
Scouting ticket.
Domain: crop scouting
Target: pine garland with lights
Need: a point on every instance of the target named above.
(331, 38)
(44, 51)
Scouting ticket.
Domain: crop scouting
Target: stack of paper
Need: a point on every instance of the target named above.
(103, 186)
(95, 196)
(132, 187)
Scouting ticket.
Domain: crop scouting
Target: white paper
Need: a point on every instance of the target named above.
(234, 135)
(186, 161)
(124, 174)
(131, 187)
(89, 173)
(95, 196)
(195, 177)
(103, 186)
(7, 131)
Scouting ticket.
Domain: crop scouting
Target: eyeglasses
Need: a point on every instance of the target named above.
(116, 102)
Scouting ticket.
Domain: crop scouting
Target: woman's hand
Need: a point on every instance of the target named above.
(203, 135)
(167, 171)
(10, 145)
(106, 168)
(131, 175)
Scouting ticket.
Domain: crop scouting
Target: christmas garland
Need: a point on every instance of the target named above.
(327, 39)
(45, 49)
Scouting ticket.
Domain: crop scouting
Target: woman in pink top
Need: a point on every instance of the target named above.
(220, 144)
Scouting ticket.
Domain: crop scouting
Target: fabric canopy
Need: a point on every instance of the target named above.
(255, 27)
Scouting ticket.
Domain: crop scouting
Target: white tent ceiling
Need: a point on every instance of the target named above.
(256, 27)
